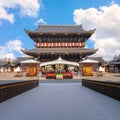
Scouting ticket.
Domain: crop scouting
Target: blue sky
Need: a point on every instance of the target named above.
(17, 15)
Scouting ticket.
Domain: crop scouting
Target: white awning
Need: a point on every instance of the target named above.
(59, 61)
(17, 69)
(30, 61)
(88, 61)
(101, 69)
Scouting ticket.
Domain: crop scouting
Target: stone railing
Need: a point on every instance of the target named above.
(109, 88)
(9, 89)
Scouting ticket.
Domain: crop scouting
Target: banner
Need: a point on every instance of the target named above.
(31, 70)
(87, 70)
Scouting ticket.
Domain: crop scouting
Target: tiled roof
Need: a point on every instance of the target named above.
(100, 59)
(59, 50)
(19, 59)
(3, 63)
(60, 29)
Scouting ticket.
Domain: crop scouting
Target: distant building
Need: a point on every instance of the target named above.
(114, 64)
(8, 65)
(101, 61)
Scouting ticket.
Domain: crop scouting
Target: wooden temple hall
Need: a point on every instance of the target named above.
(66, 42)
(52, 42)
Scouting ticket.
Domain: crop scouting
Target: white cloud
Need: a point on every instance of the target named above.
(27, 8)
(10, 48)
(40, 21)
(106, 20)
(4, 15)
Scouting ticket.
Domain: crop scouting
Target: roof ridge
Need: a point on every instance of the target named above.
(60, 25)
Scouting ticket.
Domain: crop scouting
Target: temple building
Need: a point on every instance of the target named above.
(54, 41)
(114, 64)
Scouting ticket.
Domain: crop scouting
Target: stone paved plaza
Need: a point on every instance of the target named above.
(60, 101)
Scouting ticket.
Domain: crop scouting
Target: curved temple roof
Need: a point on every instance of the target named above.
(38, 51)
(60, 29)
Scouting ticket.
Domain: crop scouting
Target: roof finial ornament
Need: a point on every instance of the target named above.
(59, 57)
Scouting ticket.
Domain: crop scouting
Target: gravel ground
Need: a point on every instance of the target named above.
(106, 77)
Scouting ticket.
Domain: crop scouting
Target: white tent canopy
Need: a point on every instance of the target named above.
(17, 69)
(59, 61)
(88, 61)
(101, 69)
(29, 61)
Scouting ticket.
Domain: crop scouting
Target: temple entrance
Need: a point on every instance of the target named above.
(59, 69)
